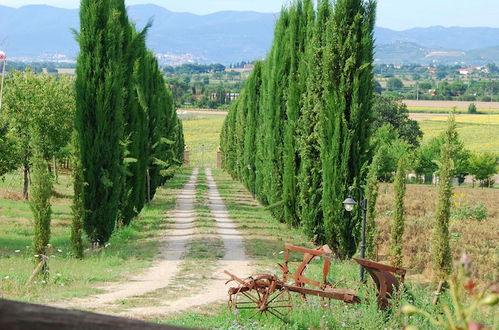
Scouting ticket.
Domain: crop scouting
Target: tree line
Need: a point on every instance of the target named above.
(128, 137)
(298, 136)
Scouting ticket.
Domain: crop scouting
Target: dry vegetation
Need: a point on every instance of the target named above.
(477, 238)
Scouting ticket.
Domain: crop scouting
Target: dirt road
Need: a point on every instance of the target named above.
(174, 248)
(163, 272)
(235, 259)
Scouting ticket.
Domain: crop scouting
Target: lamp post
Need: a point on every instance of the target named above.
(253, 168)
(349, 204)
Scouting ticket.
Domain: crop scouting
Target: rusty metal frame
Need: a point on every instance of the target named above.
(268, 287)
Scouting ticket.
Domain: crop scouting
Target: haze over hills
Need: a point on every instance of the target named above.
(40, 32)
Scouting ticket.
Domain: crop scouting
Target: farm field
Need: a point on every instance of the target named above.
(447, 106)
(202, 146)
(479, 132)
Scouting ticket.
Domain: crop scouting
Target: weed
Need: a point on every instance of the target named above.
(477, 212)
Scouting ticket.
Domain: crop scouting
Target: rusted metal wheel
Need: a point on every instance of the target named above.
(267, 298)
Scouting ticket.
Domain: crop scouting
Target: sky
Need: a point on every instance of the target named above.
(393, 14)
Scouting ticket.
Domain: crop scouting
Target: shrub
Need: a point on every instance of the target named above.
(472, 108)
(470, 212)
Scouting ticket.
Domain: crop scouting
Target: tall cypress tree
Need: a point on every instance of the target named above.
(274, 101)
(253, 90)
(136, 128)
(314, 109)
(309, 176)
(346, 117)
(99, 113)
(301, 16)
(77, 207)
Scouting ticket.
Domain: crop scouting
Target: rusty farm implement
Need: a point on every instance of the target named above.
(268, 294)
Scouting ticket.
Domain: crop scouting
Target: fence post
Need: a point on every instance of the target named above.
(186, 157)
(219, 158)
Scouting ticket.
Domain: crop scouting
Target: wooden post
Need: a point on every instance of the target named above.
(186, 158)
(26, 181)
(22, 316)
(219, 159)
(438, 292)
(38, 269)
(148, 186)
(54, 164)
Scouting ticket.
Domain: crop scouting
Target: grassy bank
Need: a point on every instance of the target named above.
(129, 250)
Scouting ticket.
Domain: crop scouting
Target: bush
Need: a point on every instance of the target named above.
(477, 212)
(472, 108)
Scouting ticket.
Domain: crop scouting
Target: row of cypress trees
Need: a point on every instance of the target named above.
(299, 133)
(128, 137)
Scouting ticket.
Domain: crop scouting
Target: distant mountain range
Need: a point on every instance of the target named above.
(44, 32)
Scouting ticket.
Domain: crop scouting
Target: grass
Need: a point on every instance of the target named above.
(479, 132)
(202, 137)
(264, 239)
(130, 249)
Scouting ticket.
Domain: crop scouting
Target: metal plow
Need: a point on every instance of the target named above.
(267, 295)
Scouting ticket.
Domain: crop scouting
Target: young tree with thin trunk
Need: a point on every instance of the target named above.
(441, 252)
(398, 221)
(40, 193)
(372, 189)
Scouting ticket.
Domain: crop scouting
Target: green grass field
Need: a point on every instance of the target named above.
(479, 132)
(202, 137)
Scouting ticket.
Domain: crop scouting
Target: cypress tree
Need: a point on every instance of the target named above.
(136, 129)
(372, 189)
(99, 113)
(301, 16)
(260, 162)
(253, 90)
(77, 207)
(441, 253)
(397, 228)
(239, 133)
(39, 200)
(309, 176)
(274, 101)
(346, 117)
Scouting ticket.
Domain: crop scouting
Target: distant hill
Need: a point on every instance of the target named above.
(40, 32)
(463, 38)
(411, 53)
